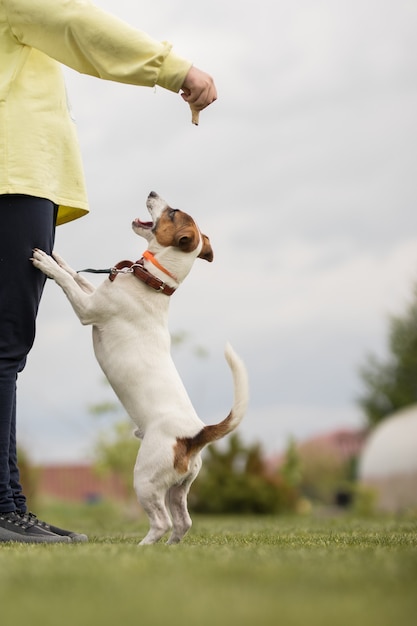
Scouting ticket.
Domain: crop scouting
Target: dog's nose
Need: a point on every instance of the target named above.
(153, 194)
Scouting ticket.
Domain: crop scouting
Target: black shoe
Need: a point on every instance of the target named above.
(32, 518)
(13, 527)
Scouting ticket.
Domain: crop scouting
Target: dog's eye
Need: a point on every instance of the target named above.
(171, 213)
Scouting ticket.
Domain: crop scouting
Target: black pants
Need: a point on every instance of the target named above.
(26, 222)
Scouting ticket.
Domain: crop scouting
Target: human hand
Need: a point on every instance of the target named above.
(199, 90)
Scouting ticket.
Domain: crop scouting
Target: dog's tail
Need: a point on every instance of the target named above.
(188, 446)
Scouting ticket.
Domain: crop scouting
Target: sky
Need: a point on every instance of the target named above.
(303, 174)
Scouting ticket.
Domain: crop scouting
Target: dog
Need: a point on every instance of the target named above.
(129, 315)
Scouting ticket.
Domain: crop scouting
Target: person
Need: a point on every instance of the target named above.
(42, 182)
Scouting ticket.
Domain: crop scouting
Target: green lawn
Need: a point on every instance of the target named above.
(228, 571)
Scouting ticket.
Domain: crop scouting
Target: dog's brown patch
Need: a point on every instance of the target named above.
(178, 229)
(181, 457)
(187, 447)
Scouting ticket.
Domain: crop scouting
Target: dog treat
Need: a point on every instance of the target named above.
(194, 116)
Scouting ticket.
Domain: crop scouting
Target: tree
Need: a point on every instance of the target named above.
(391, 384)
(291, 469)
(116, 448)
(115, 453)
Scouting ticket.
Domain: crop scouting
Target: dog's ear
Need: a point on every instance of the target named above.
(186, 239)
(206, 251)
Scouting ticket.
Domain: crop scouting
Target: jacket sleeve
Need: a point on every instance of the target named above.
(91, 41)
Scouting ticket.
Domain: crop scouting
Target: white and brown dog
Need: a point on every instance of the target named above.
(132, 345)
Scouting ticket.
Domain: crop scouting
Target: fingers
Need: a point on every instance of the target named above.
(198, 89)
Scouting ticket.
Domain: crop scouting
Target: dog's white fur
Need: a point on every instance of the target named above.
(132, 345)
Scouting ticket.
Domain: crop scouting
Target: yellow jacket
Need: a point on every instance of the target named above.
(39, 153)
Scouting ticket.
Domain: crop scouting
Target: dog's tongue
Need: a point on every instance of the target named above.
(138, 222)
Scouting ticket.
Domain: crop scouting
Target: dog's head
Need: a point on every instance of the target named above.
(171, 232)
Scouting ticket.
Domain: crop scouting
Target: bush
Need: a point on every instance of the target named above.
(235, 480)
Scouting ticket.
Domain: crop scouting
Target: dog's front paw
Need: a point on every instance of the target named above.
(44, 262)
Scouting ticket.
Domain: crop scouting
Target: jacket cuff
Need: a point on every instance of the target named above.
(172, 72)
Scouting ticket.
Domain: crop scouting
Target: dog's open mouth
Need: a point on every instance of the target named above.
(139, 224)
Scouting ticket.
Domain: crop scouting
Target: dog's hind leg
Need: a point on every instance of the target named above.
(153, 501)
(177, 503)
(181, 520)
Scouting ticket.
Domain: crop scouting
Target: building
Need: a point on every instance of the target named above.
(79, 483)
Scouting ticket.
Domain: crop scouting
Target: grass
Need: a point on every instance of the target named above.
(256, 571)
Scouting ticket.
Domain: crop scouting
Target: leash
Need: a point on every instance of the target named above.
(92, 271)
